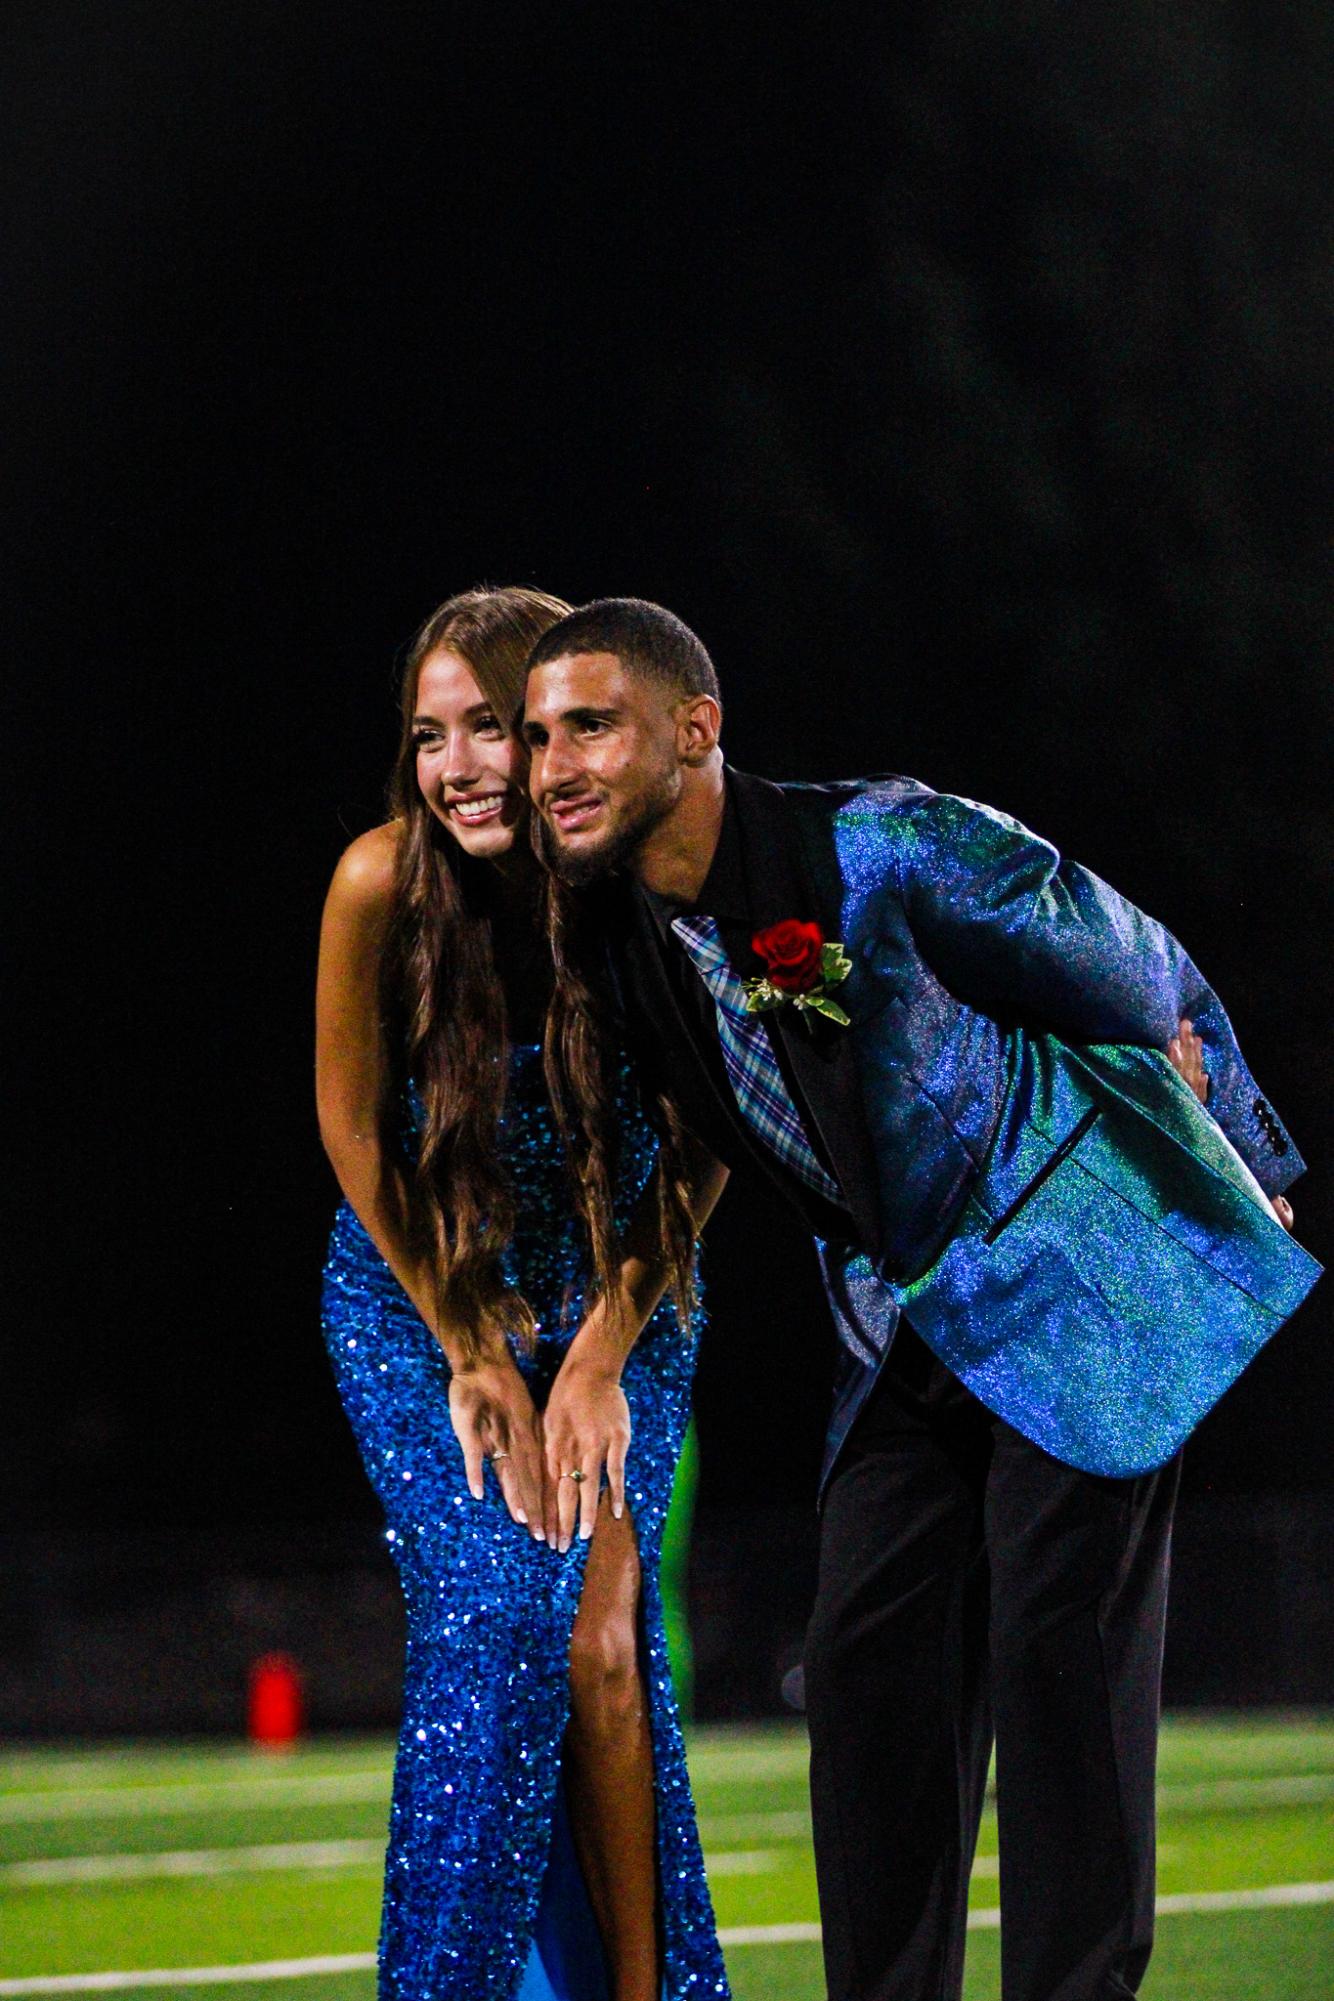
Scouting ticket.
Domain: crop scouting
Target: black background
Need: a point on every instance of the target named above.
(955, 370)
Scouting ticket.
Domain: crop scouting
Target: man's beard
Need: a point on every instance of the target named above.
(577, 869)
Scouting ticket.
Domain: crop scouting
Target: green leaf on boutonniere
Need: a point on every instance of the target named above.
(830, 1009)
(835, 965)
(761, 996)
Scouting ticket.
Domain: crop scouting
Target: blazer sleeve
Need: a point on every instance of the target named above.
(1011, 928)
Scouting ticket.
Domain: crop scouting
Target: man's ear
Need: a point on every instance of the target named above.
(699, 722)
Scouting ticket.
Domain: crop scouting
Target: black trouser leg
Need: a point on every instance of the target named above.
(896, 1691)
(1078, 1602)
(962, 1567)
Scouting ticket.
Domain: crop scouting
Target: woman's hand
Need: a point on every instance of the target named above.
(495, 1418)
(1185, 1053)
(586, 1426)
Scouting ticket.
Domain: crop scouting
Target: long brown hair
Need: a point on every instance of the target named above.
(581, 1047)
(442, 1000)
(582, 1052)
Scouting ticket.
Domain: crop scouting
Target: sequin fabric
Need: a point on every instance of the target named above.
(490, 1610)
(1082, 1244)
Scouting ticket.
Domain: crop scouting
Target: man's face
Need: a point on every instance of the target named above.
(606, 768)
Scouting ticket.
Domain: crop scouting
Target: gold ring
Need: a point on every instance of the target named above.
(577, 1475)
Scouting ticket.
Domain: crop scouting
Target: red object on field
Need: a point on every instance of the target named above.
(274, 1709)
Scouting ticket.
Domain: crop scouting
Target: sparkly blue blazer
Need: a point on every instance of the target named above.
(1080, 1241)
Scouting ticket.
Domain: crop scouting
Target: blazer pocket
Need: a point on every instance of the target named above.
(1044, 1173)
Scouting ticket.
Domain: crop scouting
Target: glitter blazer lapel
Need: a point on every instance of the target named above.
(1077, 1238)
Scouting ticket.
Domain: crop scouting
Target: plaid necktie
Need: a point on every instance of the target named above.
(752, 1068)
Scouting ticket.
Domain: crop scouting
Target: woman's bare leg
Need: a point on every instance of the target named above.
(609, 1761)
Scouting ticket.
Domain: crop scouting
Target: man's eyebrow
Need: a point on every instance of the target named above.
(587, 715)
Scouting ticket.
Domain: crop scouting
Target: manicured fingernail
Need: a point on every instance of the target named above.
(521, 1516)
(618, 1509)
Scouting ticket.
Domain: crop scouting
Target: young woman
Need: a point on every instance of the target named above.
(542, 1839)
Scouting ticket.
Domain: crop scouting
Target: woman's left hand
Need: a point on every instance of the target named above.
(586, 1425)
(1185, 1053)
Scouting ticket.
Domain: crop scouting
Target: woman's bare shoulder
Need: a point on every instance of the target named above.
(364, 878)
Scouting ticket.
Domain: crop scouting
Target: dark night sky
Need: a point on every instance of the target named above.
(958, 377)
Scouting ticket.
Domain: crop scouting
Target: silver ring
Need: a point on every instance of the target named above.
(496, 1457)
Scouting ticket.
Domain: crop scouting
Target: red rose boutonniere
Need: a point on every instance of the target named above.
(799, 969)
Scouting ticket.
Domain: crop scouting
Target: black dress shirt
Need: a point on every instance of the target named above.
(726, 896)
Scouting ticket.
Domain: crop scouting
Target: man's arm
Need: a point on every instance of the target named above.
(1012, 928)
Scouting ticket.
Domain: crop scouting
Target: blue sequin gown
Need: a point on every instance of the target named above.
(484, 1900)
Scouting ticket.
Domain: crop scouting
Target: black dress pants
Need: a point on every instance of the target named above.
(970, 1583)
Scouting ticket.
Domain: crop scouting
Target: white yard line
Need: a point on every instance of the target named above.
(759, 1935)
(1273, 1896)
(148, 1802)
(298, 1855)
(715, 1764)
(193, 1976)
(239, 1861)
(720, 1828)
(242, 1861)
(337, 1788)
(743, 1862)
(1295, 1790)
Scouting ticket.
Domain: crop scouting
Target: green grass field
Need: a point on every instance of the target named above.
(139, 1859)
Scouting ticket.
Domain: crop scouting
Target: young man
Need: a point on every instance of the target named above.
(947, 1073)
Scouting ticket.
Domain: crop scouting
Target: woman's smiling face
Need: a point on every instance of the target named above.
(471, 768)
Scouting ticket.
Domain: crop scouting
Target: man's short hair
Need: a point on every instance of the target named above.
(646, 639)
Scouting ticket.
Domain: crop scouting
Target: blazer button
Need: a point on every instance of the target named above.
(1273, 1132)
